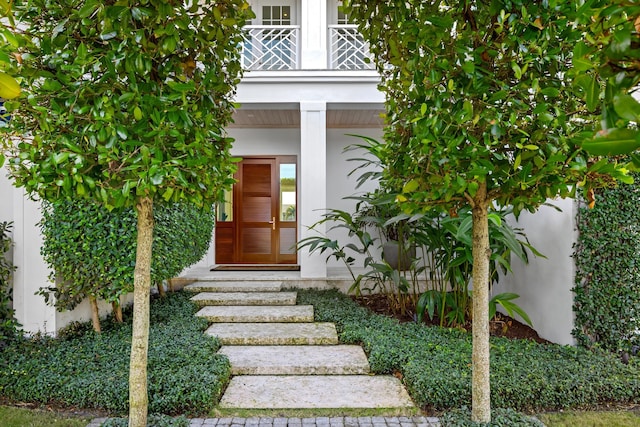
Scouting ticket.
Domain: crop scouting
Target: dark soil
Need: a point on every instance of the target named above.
(501, 326)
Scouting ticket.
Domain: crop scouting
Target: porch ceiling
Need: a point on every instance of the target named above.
(290, 118)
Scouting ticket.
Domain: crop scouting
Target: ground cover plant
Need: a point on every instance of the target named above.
(89, 370)
(435, 363)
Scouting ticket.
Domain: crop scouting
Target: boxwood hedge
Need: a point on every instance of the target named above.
(435, 363)
(90, 370)
(92, 250)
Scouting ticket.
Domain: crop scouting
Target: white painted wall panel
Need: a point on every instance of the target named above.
(544, 285)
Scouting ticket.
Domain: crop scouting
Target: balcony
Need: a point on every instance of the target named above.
(271, 47)
(348, 50)
(278, 48)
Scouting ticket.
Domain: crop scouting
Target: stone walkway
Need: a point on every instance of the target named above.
(281, 359)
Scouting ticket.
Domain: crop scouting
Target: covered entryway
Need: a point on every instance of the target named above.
(257, 224)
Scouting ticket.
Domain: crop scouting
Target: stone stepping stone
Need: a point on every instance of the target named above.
(235, 286)
(257, 313)
(297, 360)
(274, 333)
(245, 298)
(313, 391)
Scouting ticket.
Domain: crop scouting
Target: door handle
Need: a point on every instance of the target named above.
(273, 222)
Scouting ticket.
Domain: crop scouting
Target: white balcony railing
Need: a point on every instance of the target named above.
(271, 47)
(347, 49)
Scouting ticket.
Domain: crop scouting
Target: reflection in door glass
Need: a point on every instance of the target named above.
(287, 192)
(224, 210)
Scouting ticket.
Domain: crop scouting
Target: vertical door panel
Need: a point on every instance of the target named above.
(257, 234)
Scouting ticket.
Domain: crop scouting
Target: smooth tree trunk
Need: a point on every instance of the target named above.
(95, 315)
(138, 396)
(480, 385)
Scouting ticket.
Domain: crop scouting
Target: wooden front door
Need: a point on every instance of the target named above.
(262, 228)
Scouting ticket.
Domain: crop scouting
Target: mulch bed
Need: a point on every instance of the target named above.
(501, 326)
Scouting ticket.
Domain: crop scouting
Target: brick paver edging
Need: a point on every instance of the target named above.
(417, 421)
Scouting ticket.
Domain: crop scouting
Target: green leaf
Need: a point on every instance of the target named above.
(108, 35)
(613, 142)
(88, 9)
(627, 107)
(410, 186)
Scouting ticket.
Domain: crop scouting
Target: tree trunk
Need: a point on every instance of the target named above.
(116, 308)
(138, 397)
(161, 291)
(480, 386)
(95, 315)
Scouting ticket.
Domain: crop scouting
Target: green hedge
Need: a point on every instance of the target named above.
(607, 280)
(93, 250)
(436, 363)
(9, 326)
(89, 370)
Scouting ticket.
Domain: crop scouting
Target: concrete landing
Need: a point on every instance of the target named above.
(245, 298)
(257, 313)
(235, 286)
(274, 333)
(294, 392)
(297, 360)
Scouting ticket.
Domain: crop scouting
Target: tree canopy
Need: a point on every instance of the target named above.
(481, 110)
(126, 103)
(606, 69)
(126, 99)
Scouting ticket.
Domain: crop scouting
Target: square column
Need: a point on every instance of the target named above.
(313, 182)
(313, 26)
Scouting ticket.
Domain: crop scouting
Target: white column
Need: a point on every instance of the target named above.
(313, 27)
(313, 181)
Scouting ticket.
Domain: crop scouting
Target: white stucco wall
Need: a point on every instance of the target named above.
(339, 184)
(544, 285)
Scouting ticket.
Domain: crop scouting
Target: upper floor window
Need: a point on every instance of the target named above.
(342, 18)
(276, 15)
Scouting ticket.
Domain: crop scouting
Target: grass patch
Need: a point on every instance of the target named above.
(312, 413)
(19, 417)
(87, 370)
(436, 363)
(591, 419)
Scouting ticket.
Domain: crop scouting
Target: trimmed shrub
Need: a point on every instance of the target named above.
(89, 370)
(9, 327)
(92, 250)
(607, 280)
(435, 363)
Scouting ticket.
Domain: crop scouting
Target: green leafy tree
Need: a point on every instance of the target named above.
(9, 43)
(606, 66)
(125, 103)
(480, 112)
